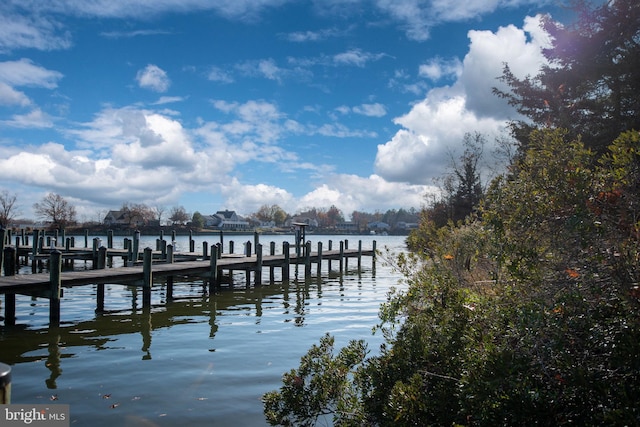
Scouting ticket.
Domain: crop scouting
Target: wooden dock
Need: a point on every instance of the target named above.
(210, 265)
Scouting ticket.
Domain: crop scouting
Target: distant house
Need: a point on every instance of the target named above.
(348, 227)
(226, 220)
(121, 218)
(378, 226)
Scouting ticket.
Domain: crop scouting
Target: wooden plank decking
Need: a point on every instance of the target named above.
(49, 285)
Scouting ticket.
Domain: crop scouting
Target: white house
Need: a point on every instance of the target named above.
(226, 220)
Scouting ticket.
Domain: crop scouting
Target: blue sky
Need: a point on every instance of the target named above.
(235, 104)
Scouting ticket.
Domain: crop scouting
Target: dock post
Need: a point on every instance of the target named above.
(221, 238)
(346, 258)
(231, 246)
(34, 250)
(147, 259)
(307, 259)
(3, 234)
(247, 253)
(272, 252)
(205, 250)
(128, 245)
(257, 276)
(163, 248)
(170, 260)
(319, 272)
(341, 257)
(359, 255)
(329, 260)
(110, 239)
(102, 264)
(192, 244)
(100, 298)
(256, 240)
(285, 266)
(86, 238)
(213, 269)
(102, 258)
(55, 282)
(5, 384)
(136, 246)
(94, 253)
(17, 253)
(9, 297)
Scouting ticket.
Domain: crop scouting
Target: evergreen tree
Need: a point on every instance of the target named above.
(592, 81)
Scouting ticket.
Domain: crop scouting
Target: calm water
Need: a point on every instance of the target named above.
(198, 360)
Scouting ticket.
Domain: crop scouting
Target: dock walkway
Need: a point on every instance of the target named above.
(155, 264)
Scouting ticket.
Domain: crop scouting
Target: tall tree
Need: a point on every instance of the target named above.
(178, 215)
(8, 208)
(55, 209)
(592, 81)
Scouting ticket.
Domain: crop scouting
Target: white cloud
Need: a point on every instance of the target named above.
(168, 100)
(217, 74)
(435, 127)
(371, 110)
(154, 78)
(36, 118)
(25, 73)
(488, 51)
(352, 192)
(438, 68)
(356, 57)
(37, 32)
(10, 96)
(249, 198)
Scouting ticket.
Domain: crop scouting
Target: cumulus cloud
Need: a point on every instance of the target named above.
(421, 150)
(372, 193)
(153, 78)
(437, 68)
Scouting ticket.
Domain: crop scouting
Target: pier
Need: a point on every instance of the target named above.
(141, 266)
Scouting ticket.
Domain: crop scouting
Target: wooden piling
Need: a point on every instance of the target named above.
(55, 289)
(307, 259)
(147, 280)
(213, 270)
(10, 297)
(3, 236)
(170, 260)
(287, 262)
(205, 250)
(136, 245)
(257, 275)
(341, 257)
(319, 270)
(5, 384)
(272, 252)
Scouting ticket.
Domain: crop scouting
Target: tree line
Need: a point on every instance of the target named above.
(59, 213)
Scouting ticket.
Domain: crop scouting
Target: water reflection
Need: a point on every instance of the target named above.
(21, 344)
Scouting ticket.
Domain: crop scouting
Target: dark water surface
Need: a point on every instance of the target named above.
(198, 360)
